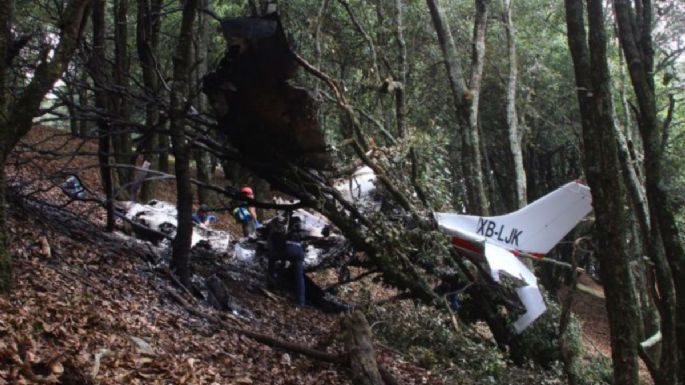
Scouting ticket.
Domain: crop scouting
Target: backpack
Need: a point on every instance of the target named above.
(241, 214)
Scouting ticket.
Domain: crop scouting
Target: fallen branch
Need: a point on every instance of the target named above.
(352, 279)
(551, 261)
(261, 338)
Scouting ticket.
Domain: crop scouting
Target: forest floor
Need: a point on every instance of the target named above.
(87, 314)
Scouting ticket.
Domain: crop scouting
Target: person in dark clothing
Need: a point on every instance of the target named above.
(280, 249)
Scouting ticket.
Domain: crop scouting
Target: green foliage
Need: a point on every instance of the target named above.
(540, 341)
(593, 369)
(428, 337)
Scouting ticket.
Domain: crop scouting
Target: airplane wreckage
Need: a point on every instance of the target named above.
(270, 127)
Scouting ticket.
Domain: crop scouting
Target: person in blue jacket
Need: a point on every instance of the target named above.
(202, 216)
(246, 215)
(73, 188)
(280, 249)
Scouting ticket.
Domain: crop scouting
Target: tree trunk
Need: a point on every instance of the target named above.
(402, 70)
(5, 256)
(639, 56)
(512, 117)
(472, 135)
(147, 42)
(6, 16)
(470, 161)
(6, 20)
(179, 93)
(203, 163)
(602, 171)
(163, 144)
(359, 344)
(121, 138)
(85, 125)
(74, 118)
(102, 105)
(400, 103)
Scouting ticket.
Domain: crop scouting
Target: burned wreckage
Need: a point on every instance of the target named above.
(270, 127)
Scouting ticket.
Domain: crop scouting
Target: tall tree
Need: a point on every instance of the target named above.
(602, 172)
(102, 104)
(635, 35)
(147, 43)
(203, 162)
(519, 172)
(179, 107)
(16, 115)
(470, 160)
(121, 136)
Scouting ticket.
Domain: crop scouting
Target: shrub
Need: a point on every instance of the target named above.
(429, 339)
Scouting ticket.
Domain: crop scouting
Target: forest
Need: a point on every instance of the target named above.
(255, 192)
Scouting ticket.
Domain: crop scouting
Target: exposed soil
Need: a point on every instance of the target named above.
(591, 312)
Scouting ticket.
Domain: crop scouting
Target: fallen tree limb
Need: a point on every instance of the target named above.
(352, 279)
(261, 338)
(551, 261)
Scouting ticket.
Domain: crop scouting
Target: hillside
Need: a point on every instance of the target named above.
(91, 311)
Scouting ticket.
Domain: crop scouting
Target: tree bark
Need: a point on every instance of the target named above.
(6, 20)
(602, 172)
(179, 93)
(147, 42)
(121, 138)
(359, 345)
(475, 79)
(203, 164)
(400, 103)
(470, 160)
(512, 117)
(635, 28)
(83, 100)
(102, 104)
(5, 256)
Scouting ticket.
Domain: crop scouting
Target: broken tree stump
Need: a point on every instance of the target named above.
(255, 105)
(359, 346)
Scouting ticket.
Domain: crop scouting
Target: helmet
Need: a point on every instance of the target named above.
(246, 190)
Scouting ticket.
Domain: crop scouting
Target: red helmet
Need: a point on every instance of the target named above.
(246, 190)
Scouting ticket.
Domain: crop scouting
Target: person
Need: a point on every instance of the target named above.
(202, 216)
(280, 249)
(247, 215)
(73, 188)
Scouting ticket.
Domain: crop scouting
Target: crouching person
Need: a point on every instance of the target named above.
(73, 188)
(282, 250)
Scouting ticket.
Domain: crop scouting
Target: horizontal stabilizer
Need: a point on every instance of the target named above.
(533, 229)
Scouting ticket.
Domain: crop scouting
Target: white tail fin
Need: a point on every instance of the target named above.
(533, 229)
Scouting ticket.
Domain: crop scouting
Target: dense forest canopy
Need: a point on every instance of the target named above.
(472, 107)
